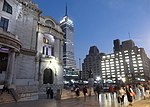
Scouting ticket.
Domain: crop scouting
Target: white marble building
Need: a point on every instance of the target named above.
(30, 49)
(50, 53)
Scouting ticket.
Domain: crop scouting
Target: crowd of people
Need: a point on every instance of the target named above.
(129, 90)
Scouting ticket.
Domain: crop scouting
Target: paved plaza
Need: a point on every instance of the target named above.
(89, 101)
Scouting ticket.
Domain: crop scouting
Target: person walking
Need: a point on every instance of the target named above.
(111, 90)
(77, 90)
(48, 93)
(147, 91)
(122, 93)
(84, 91)
(118, 94)
(129, 94)
(51, 93)
(98, 90)
(5, 88)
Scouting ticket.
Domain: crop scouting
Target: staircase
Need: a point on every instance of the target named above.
(6, 98)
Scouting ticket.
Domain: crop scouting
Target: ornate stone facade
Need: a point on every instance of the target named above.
(50, 53)
(34, 46)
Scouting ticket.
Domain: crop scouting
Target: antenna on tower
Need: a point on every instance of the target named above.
(129, 35)
(66, 11)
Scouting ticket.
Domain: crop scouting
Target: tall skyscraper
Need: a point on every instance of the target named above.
(68, 49)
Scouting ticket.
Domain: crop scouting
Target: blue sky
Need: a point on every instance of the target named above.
(99, 22)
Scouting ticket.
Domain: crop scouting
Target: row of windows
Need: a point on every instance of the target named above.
(48, 50)
(4, 21)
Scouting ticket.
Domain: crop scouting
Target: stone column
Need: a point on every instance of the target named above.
(56, 48)
(41, 78)
(10, 66)
(61, 50)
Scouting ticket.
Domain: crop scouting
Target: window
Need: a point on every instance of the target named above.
(133, 59)
(45, 40)
(7, 7)
(140, 64)
(4, 23)
(48, 50)
(134, 62)
(50, 23)
(122, 69)
(126, 51)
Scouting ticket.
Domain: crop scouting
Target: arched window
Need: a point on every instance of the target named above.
(48, 47)
(48, 76)
(50, 23)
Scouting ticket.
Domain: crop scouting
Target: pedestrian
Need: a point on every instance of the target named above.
(111, 90)
(129, 94)
(48, 93)
(141, 88)
(147, 90)
(51, 93)
(84, 90)
(98, 90)
(118, 94)
(122, 93)
(5, 88)
(77, 91)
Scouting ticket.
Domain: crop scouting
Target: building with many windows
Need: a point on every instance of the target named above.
(128, 63)
(68, 49)
(92, 64)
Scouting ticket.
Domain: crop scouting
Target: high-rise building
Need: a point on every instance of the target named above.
(127, 63)
(68, 49)
(130, 63)
(91, 64)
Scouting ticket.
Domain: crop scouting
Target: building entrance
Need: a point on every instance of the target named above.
(3, 66)
(48, 76)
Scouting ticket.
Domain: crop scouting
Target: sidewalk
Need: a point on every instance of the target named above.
(141, 103)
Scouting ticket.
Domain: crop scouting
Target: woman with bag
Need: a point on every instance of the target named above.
(118, 94)
(129, 94)
(122, 93)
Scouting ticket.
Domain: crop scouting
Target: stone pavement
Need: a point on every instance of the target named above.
(141, 103)
(91, 101)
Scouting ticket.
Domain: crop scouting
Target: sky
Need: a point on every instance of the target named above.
(99, 22)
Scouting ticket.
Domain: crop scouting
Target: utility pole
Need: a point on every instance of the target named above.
(80, 64)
